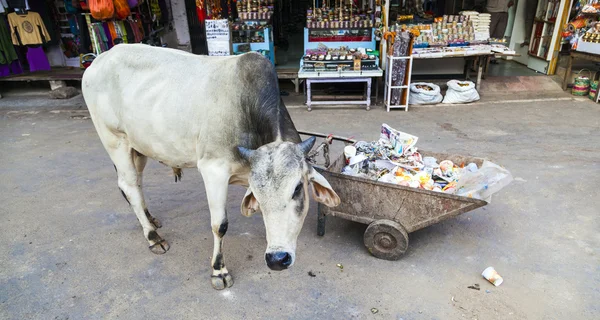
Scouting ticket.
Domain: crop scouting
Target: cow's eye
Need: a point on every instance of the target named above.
(298, 190)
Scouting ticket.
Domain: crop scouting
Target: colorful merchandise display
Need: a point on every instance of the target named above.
(339, 16)
(255, 10)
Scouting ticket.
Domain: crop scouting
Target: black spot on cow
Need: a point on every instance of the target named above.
(218, 265)
(153, 236)
(223, 228)
(124, 196)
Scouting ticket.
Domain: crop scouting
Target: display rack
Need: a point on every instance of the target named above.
(543, 33)
(333, 38)
(266, 45)
(389, 87)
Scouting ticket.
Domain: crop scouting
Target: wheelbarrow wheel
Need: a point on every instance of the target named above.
(386, 239)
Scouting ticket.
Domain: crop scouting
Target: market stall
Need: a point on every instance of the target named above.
(583, 34)
(463, 36)
(340, 47)
(50, 34)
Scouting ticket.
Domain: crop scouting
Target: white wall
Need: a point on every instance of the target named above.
(511, 20)
(518, 34)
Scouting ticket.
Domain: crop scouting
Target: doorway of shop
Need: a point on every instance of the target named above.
(288, 30)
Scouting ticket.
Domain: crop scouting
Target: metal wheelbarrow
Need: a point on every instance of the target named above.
(390, 211)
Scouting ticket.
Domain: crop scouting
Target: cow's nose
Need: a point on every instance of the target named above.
(278, 260)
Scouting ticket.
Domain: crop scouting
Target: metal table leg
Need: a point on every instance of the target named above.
(368, 94)
(376, 90)
(308, 101)
(479, 73)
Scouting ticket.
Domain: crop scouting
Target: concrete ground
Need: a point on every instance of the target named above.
(72, 248)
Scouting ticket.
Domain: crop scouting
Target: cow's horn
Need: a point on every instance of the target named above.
(307, 144)
(245, 153)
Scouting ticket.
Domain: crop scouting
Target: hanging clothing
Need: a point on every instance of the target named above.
(11, 68)
(85, 44)
(7, 50)
(28, 29)
(113, 32)
(129, 31)
(37, 59)
(47, 17)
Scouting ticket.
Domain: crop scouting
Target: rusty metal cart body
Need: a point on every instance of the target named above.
(391, 211)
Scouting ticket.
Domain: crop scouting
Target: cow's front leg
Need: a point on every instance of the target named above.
(216, 181)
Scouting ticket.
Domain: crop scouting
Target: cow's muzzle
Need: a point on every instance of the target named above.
(278, 260)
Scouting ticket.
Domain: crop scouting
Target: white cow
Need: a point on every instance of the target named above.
(222, 115)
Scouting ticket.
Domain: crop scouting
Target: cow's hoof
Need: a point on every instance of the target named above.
(221, 281)
(160, 247)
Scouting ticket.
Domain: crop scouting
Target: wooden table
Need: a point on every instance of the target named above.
(480, 63)
(577, 55)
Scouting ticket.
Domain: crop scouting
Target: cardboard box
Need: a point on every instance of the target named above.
(356, 64)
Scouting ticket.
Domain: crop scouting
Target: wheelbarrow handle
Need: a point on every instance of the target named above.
(326, 136)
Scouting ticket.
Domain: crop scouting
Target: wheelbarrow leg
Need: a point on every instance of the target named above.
(321, 219)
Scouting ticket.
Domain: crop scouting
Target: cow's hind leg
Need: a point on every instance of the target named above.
(129, 181)
(216, 181)
(140, 161)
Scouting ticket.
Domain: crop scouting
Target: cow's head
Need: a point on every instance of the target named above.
(279, 182)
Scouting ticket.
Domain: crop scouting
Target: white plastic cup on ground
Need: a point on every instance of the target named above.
(491, 275)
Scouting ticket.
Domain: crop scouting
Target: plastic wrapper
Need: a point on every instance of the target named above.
(401, 142)
(484, 182)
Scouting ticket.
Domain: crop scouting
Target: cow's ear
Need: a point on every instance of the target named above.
(249, 204)
(322, 191)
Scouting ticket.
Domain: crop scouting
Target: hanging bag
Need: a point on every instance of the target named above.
(102, 9)
(581, 86)
(121, 9)
(134, 3)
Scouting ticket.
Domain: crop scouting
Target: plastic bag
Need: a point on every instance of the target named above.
(134, 3)
(102, 9)
(461, 92)
(121, 9)
(420, 95)
(481, 184)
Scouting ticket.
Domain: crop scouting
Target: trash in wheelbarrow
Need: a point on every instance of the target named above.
(395, 159)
